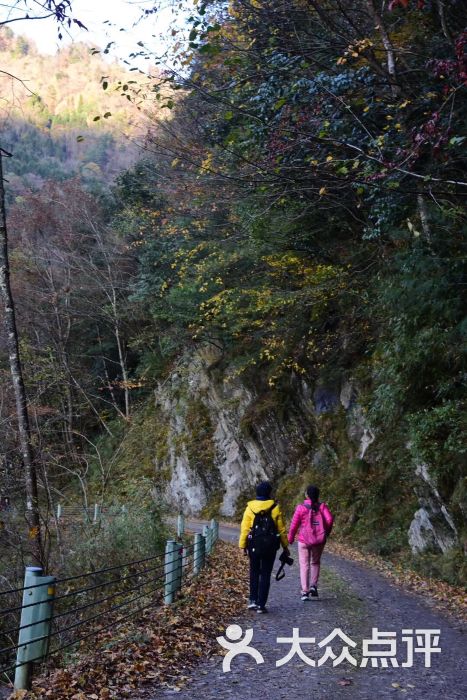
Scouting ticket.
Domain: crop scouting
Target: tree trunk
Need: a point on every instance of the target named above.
(121, 357)
(391, 60)
(32, 501)
(442, 18)
(424, 218)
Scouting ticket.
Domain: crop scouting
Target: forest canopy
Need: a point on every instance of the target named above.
(298, 204)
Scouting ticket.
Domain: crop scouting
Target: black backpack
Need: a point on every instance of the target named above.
(263, 537)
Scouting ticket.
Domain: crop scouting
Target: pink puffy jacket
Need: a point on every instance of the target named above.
(301, 522)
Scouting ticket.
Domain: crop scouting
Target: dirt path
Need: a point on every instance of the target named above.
(355, 599)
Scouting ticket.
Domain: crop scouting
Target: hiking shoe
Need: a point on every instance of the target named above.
(313, 592)
(304, 597)
(261, 611)
(252, 605)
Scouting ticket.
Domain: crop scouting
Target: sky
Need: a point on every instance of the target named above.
(117, 21)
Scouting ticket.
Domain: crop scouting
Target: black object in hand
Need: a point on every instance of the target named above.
(284, 559)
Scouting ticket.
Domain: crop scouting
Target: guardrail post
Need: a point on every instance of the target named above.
(36, 618)
(180, 525)
(207, 535)
(185, 551)
(198, 553)
(214, 531)
(170, 570)
(178, 567)
(97, 513)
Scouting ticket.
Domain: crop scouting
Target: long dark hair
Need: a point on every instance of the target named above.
(313, 494)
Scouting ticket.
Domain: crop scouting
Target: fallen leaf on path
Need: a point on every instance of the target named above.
(160, 645)
(444, 596)
(345, 681)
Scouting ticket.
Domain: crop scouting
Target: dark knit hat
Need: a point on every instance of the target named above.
(264, 489)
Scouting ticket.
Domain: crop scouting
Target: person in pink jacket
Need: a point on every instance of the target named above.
(313, 521)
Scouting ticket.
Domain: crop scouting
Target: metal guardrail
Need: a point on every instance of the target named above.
(53, 616)
(90, 514)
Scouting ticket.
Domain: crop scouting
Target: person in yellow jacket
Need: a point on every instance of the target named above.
(262, 549)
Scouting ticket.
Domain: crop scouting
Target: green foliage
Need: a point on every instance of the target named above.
(437, 437)
(199, 442)
(302, 211)
(310, 225)
(419, 359)
(135, 454)
(119, 538)
(450, 567)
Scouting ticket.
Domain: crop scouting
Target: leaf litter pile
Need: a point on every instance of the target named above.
(161, 645)
(450, 599)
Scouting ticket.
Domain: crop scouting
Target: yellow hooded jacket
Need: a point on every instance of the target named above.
(254, 507)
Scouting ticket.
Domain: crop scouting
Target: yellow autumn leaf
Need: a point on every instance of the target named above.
(322, 191)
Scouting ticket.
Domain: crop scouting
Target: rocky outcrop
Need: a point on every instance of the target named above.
(221, 438)
(235, 457)
(432, 528)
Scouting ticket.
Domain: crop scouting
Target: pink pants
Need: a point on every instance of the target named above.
(309, 557)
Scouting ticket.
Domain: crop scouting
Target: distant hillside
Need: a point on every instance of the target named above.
(56, 118)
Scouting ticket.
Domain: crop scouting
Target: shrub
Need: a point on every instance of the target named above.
(118, 538)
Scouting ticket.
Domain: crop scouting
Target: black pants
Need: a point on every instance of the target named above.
(260, 576)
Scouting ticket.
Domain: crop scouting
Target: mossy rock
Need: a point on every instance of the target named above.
(199, 438)
(213, 507)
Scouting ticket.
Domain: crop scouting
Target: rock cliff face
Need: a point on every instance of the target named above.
(221, 439)
(432, 526)
(211, 456)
